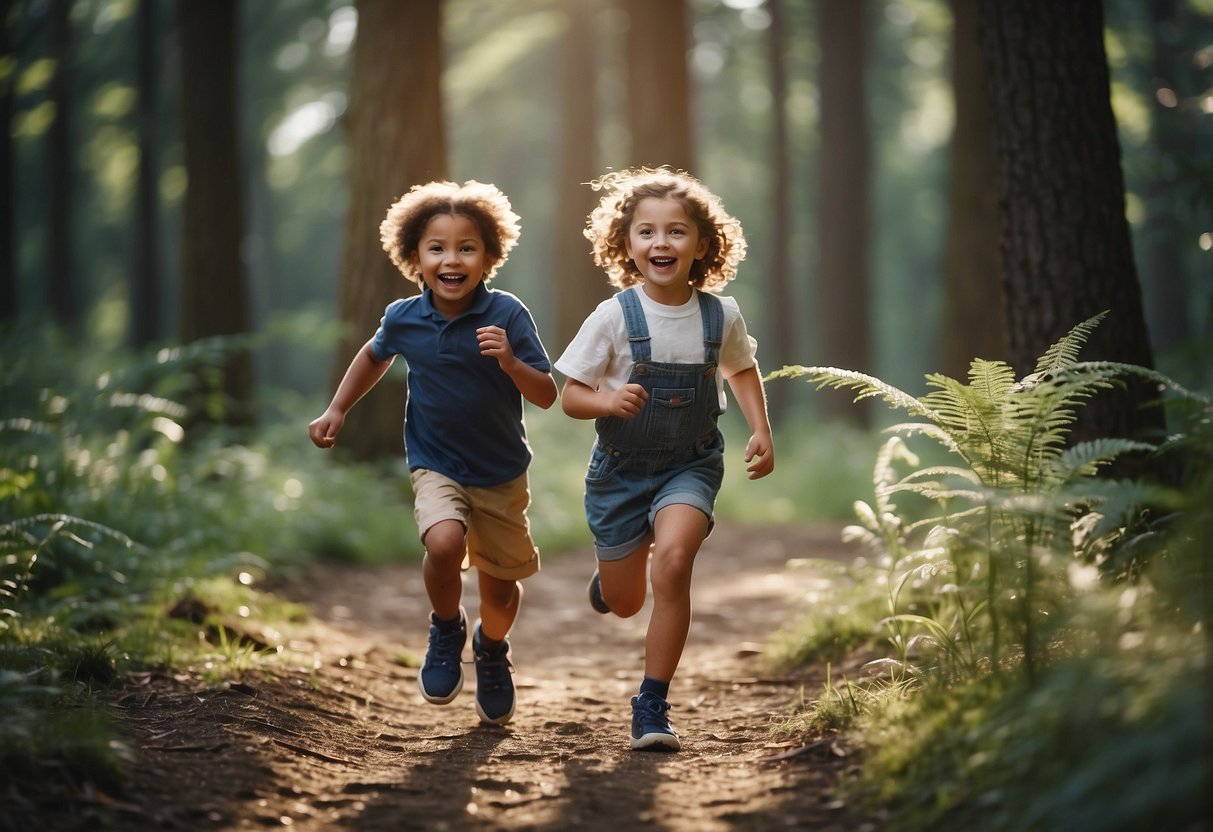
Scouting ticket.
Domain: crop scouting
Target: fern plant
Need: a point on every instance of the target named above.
(1005, 509)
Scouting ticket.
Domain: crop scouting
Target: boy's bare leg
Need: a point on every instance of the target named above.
(679, 531)
(445, 544)
(499, 602)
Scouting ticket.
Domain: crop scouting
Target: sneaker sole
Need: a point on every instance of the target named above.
(440, 700)
(656, 741)
(596, 603)
(485, 719)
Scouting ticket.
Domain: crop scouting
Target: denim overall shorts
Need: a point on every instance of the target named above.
(671, 453)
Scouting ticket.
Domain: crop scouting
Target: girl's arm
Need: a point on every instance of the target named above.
(363, 373)
(584, 402)
(751, 398)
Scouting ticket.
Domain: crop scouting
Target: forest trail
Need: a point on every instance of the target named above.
(349, 744)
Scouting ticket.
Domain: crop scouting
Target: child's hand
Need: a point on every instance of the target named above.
(759, 456)
(494, 342)
(627, 401)
(323, 431)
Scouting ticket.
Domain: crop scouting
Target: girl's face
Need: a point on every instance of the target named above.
(452, 259)
(664, 242)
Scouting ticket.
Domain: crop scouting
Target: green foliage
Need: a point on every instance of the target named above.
(1042, 615)
(114, 513)
(1003, 516)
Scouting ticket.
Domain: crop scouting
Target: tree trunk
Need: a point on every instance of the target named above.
(397, 139)
(144, 285)
(974, 309)
(841, 308)
(1165, 264)
(1065, 241)
(659, 89)
(62, 286)
(579, 285)
(8, 194)
(214, 291)
(782, 302)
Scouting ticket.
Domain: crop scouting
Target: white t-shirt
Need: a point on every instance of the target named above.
(599, 355)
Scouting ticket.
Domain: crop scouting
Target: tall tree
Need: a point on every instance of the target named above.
(842, 302)
(973, 304)
(214, 291)
(397, 139)
(1065, 241)
(658, 84)
(8, 259)
(1173, 141)
(144, 285)
(579, 286)
(783, 323)
(63, 288)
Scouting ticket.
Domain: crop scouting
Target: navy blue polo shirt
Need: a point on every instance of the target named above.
(464, 415)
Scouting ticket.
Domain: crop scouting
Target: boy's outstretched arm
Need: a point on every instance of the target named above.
(584, 402)
(363, 373)
(751, 398)
(536, 386)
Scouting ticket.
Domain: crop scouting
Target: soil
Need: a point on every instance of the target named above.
(339, 738)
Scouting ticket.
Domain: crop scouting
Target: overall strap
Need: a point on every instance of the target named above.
(638, 328)
(712, 313)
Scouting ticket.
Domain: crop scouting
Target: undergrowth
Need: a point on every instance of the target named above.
(1043, 624)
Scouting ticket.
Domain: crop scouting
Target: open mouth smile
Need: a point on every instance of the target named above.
(663, 262)
(452, 280)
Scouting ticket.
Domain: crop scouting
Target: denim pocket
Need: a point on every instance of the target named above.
(604, 462)
(671, 413)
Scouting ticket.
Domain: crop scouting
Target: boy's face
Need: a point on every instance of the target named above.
(452, 259)
(664, 242)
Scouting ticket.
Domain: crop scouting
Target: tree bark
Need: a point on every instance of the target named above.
(1065, 240)
(782, 305)
(214, 291)
(974, 309)
(841, 306)
(659, 88)
(1170, 139)
(397, 139)
(8, 194)
(62, 286)
(579, 285)
(144, 285)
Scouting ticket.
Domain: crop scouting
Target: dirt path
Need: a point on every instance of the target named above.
(349, 744)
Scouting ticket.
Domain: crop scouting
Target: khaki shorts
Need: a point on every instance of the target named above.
(494, 517)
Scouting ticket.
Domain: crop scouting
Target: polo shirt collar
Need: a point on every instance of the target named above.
(480, 302)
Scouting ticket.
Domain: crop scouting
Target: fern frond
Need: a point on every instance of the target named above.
(937, 491)
(925, 429)
(993, 379)
(1164, 383)
(865, 386)
(965, 474)
(1086, 458)
(1064, 351)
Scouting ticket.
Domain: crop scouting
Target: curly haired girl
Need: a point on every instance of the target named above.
(649, 366)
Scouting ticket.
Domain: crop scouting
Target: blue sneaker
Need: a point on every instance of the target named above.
(441, 676)
(651, 729)
(494, 687)
(594, 590)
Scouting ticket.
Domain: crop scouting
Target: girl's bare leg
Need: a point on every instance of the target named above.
(625, 581)
(679, 531)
